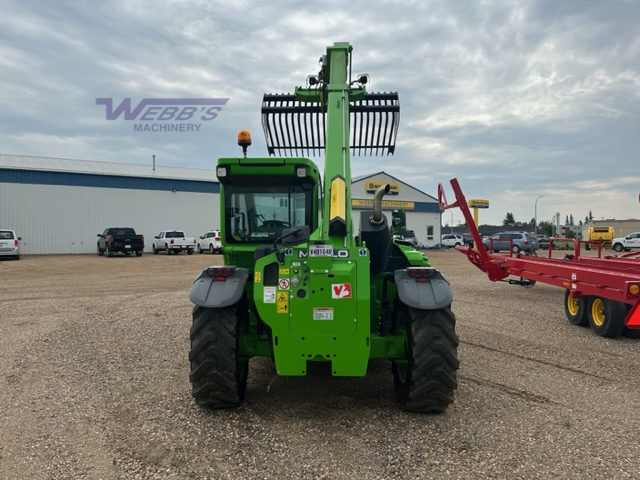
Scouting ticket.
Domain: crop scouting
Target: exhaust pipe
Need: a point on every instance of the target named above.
(377, 217)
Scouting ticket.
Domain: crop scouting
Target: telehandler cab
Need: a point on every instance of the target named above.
(298, 284)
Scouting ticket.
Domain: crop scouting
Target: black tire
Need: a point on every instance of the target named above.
(127, 253)
(190, 251)
(218, 376)
(16, 257)
(155, 250)
(139, 254)
(618, 247)
(576, 310)
(211, 249)
(100, 251)
(167, 249)
(606, 317)
(199, 249)
(426, 383)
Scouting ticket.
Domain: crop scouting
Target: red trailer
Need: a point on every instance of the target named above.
(602, 291)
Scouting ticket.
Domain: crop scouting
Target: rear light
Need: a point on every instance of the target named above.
(421, 274)
(526, 242)
(217, 239)
(172, 241)
(194, 240)
(111, 240)
(16, 243)
(142, 238)
(634, 289)
(220, 274)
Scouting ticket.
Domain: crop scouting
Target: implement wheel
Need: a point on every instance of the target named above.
(427, 381)
(606, 317)
(218, 376)
(576, 309)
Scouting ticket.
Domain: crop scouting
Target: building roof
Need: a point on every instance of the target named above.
(51, 164)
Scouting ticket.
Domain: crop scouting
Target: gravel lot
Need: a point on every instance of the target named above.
(94, 384)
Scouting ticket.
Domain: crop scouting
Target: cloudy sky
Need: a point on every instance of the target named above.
(517, 99)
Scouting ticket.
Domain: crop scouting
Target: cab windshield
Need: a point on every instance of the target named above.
(259, 215)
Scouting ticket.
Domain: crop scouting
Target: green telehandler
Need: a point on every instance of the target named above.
(298, 284)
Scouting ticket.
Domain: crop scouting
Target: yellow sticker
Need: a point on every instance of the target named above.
(284, 271)
(257, 277)
(282, 303)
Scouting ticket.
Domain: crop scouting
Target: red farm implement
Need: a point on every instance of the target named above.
(602, 291)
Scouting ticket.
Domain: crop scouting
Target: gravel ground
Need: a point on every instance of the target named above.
(94, 385)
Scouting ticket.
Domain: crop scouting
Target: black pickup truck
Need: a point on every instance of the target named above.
(120, 239)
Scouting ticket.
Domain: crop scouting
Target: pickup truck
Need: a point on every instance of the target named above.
(173, 241)
(120, 239)
(626, 243)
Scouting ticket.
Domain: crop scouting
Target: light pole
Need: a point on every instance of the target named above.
(451, 211)
(535, 215)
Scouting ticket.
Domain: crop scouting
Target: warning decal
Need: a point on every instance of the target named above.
(269, 295)
(283, 284)
(282, 303)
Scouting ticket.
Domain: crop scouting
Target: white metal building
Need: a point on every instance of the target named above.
(422, 211)
(58, 206)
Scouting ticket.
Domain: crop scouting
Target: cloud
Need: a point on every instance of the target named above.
(517, 99)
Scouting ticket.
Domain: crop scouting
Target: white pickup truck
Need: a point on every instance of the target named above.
(173, 241)
(626, 243)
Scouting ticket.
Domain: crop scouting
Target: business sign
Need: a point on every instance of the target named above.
(165, 114)
(478, 203)
(389, 204)
(373, 185)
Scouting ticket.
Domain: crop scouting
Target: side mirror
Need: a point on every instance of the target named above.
(201, 237)
(99, 235)
(20, 238)
(156, 237)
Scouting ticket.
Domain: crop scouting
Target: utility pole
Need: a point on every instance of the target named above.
(535, 215)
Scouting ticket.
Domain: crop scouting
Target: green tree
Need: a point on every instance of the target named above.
(571, 219)
(509, 220)
(588, 218)
(545, 227)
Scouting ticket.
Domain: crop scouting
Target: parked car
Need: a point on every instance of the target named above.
(9, 244)
(543, 241)
(452, 240)
(408, 237)
(173, 241)
(521, 241)
(210, 241)
(120, 240)
(468, 240)
(626, 243)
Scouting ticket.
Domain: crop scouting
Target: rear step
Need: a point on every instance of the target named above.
(292, 127)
